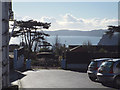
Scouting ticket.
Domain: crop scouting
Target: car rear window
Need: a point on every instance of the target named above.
(106, 66)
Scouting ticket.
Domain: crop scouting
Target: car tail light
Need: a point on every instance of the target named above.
(96, 68)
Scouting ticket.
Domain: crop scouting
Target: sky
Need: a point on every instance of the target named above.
(83, 16)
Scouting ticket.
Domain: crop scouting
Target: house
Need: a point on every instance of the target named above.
(77, 58)
(78, 49)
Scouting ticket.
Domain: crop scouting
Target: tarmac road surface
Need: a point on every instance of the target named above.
(53, 78)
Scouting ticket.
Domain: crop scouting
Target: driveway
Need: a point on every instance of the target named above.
(57, 79)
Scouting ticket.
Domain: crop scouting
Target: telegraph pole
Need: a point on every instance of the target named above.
(5, 12)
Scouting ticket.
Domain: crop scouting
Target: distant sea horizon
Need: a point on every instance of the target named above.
(75, 40)
(67, 40)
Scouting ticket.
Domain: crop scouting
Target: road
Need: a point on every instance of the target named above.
(57, 79)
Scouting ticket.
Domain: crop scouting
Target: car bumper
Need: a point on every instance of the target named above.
(92, 74)
(105, 78)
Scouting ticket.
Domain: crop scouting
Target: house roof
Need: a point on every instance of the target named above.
(78, 49)
(107, 40)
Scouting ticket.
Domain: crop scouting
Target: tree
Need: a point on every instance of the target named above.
(57, 46)
(45, 46)
(31, 33)
(87, 43)
(88, 46)
(112, 29)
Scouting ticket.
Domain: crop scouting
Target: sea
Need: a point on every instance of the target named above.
(67, 40)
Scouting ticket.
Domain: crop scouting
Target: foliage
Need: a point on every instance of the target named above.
(88, 43)
(102, 50)
(59, 48)
(30, 33)
(112, 29)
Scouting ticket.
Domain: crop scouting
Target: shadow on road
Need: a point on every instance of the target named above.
(109, 85)
(15, 75)
(80, 71)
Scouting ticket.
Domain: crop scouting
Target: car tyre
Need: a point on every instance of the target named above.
(92, 79)
(117, 82)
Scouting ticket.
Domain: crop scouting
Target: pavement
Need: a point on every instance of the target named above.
(54, 78)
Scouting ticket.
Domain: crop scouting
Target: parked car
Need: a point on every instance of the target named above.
(93, 67)
(109, 71)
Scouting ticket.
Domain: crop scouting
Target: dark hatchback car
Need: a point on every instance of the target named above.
(109, 71)
(93, 67)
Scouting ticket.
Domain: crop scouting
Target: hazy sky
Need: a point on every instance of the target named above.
(69, 15)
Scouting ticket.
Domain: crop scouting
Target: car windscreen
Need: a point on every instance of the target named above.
(107, 64)
(93, 64)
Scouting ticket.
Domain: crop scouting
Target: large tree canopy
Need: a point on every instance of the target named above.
(112, 29)
(31, 33)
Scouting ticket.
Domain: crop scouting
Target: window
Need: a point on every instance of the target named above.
(94, 64)
(106, 66)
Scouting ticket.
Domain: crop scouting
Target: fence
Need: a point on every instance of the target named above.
(80, 60)
(105, 55)
(77, 60)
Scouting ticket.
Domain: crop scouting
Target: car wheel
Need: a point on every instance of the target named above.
(117, 82)
(92, 78)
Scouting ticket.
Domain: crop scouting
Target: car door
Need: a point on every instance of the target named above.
(117, 68)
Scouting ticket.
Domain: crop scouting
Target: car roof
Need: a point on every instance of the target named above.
(102, 59)
(115, 60)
